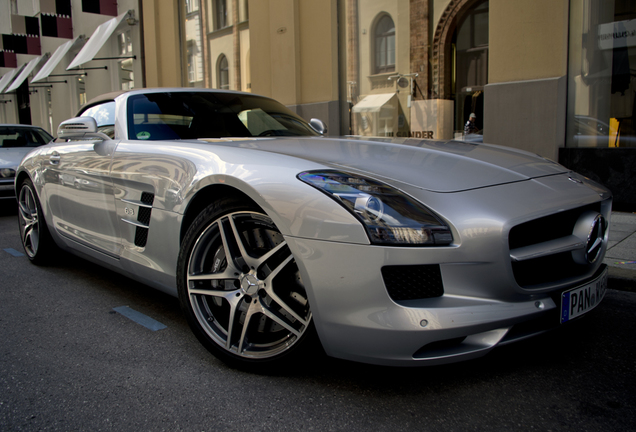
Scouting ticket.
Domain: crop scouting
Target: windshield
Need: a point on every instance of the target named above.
(15, 136)
(192, 115)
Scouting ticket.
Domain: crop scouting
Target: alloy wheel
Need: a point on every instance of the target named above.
(244, 287)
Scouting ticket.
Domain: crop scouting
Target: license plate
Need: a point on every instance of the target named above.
(578, 301)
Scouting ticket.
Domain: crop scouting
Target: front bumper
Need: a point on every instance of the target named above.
(357, 320)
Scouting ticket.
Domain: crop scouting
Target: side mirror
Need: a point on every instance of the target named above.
(318, 125)
(80, 128)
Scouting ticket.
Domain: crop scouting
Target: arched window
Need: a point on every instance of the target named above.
(384, 49)
(223, 73)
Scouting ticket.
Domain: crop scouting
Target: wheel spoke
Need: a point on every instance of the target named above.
(34, 239)
(234, 304)
(233, 245)
(262, 260)
(214, 292)
(274, 317)
(228, 273)
(29, 225)
(25, 212)
(269, 283)
(251, 310)
(249, 260)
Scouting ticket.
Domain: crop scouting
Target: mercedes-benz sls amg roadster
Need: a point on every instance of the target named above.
(278, 239)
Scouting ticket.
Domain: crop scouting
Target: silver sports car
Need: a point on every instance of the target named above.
(278, 239)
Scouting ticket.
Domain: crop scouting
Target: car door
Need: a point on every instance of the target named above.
(81, 194)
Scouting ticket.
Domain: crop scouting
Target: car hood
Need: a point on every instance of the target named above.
(12, 156)
(439, 166)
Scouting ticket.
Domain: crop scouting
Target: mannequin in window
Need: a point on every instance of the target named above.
(470, 126)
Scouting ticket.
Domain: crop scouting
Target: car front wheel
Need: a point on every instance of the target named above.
(240, 288)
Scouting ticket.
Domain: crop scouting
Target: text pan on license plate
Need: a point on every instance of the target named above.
(577, 301)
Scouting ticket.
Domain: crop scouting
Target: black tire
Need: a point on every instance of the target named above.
(249, 306)
(34, 233)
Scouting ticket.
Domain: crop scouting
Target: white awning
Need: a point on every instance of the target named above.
(97, 41)
(373, 103)
(8, 77)
(55, 59)
(24, 74)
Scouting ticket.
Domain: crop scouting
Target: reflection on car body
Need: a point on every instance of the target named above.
(277, 239)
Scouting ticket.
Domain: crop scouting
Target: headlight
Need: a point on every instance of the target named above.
(7, 173)
(389, 216)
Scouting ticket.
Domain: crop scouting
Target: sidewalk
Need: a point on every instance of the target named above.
(621, 252)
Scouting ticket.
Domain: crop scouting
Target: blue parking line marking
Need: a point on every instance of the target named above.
(13, 252)
(140, 318)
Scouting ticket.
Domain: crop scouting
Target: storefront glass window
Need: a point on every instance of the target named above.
(602, 74)
(414, 68)
(471, 69)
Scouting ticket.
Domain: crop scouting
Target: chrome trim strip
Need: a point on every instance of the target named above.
(137, 203)
(563, 244)
(135, 223)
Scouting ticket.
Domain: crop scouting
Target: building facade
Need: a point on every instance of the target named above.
(553, 77)
(82, 50)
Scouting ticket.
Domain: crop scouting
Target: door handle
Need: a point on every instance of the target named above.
(55, 158)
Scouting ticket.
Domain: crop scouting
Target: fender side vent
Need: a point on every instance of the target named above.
(143, 216)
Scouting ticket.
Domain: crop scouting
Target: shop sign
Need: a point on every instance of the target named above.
(416, 134)
(618, 34)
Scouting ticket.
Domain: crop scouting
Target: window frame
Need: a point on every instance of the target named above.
(223, 73)
(384, 37)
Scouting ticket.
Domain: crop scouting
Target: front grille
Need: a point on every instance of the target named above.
(413, 282)
(560, 266)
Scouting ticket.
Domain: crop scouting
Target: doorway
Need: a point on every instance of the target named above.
(470, 66)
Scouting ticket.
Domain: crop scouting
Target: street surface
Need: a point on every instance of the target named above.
(69, 362)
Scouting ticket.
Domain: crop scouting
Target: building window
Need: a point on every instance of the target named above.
(220, 12)
(81, 91)
(194, 34)
(192, 72)
(223, 73)
(602, 78)
(126, 74)
(192, 6)
(384, 50)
